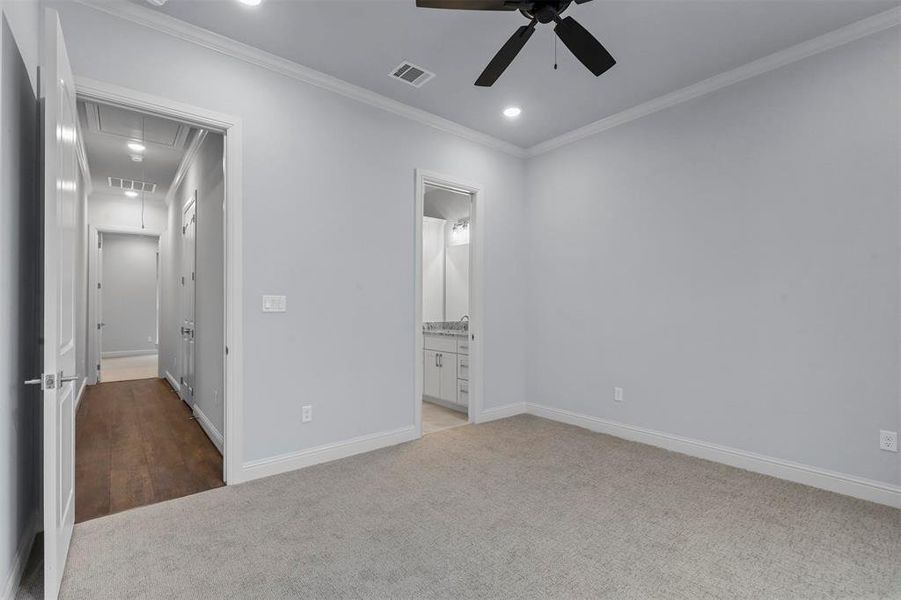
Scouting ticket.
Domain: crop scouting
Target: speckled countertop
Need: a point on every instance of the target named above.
(449, 328)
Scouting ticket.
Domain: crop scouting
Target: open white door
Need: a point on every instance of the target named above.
(98, 304)
(189, 294)
(59, 378)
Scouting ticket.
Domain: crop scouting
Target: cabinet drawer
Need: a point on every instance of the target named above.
(462, 392)
(463, 344)
(463, 367)
(440, 343)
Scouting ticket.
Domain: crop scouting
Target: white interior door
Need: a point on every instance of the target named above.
(59, 376)
(98, 294)
(188, 276)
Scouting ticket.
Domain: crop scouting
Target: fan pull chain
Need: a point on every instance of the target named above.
(555, 52)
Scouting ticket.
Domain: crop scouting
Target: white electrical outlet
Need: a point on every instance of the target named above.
(888, 440)
(617, 394)
(306, 414)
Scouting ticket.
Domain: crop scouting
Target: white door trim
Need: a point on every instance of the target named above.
(231, 127)
(476, 258)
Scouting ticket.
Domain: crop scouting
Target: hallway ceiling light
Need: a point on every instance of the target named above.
(136, 147)
(131, 194)
(511, 112)
(250, 2)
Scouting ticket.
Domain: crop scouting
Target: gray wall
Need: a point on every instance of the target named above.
(129, 294)
(335, 236)
(107, 209)
(205, 176)
(733, 264)
(19, 271)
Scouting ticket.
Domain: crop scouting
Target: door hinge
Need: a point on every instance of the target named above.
(226, 350)
(98, 366)
(99, 285)
(182, 280)
(99, 325)
(192, 276)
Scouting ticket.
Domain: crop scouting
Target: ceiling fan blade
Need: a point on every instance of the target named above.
(582, 1)
(584, 46)
(505, 55)
(468, 4)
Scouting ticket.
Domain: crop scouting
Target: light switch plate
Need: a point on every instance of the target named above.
(275, 303)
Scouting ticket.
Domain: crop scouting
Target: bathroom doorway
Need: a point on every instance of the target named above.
(447, 316)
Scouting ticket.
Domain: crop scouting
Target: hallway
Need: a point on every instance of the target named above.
(136, 443)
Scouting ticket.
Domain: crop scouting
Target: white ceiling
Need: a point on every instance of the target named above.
(660, 46)
(107, 130)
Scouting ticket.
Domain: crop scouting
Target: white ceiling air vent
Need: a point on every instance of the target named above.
(411, 74)
(130, 184)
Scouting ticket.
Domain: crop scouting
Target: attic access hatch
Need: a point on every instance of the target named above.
(411, 74)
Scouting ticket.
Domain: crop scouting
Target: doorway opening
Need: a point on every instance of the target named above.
(448, 315)
(150, 426)
(127, 305)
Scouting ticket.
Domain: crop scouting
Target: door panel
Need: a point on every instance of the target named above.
(98, 296)
(431, 380)
(59, 376)
(188, 259)
(448, 366)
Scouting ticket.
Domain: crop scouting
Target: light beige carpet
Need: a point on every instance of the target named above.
(127, 368)
(519, 508)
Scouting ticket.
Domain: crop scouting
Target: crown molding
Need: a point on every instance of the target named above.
(839, 37)
(186, 161)
(213, 41)
(191, 33)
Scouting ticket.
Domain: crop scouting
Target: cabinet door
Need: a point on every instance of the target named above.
(448, 367)
(431, 374)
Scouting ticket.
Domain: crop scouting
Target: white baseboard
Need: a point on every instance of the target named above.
(14, 577)
(849, 485)
(172, 381)
(208, 428)
(124, 353)
(502, 412)
(84, 384)
(265, 467)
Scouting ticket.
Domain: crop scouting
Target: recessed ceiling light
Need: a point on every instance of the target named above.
(136, 147)
(137, 158)
(250, 2)
(511, 112)
(131, 194)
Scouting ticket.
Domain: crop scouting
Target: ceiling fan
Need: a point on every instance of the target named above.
(582, 44)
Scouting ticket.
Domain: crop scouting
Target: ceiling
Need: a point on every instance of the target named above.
(660, 46)
(107, 131)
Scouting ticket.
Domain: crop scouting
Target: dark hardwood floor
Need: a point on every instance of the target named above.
(136, 444)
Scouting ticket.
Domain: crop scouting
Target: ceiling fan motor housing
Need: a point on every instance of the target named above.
(545, 12)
